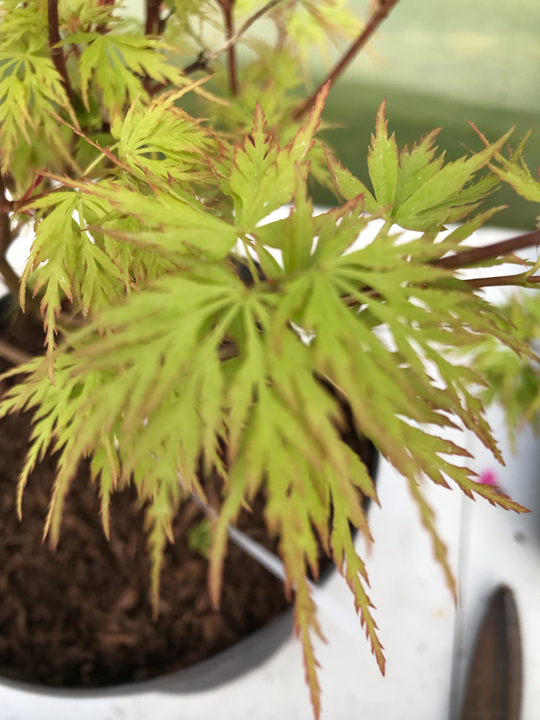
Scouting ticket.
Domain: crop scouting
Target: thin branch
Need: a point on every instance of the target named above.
(488, 252)
(201, 63)
(476, 255)
(5, 224)
(6, 206)
(517, 279)
(379, 14)
(6, 236)
(227, 6)
(13, 355)
(20, 205)
(205, 59)
(57, 54)
(152, 17)
(245, 27)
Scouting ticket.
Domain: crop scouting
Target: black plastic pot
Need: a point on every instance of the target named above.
(221, 668)
(244, 656)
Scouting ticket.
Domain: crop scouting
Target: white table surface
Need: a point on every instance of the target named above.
(415, 613)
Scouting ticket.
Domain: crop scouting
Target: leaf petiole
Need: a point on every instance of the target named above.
(99, 158)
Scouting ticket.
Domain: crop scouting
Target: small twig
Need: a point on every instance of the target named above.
(80, 133)
(227, 6)
(245, 27)
(96, 162)
(152, 17)
(470, 257)
(205, 59)
(5, 224)
(20, 205)
(57, 54)
(517, 279)
(487, 252)
(201, 63)
(6, 236)
(13, 354)
(380, 13)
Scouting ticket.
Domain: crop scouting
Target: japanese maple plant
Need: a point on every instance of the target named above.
(143, 214)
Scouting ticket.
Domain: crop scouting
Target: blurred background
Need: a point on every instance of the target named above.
(439, 63)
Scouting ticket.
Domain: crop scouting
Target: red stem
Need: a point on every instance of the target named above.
(476, 255)
(57, 54)
(227, 7)
(152, 17)
(5, 225)
(6, 236)
(516, 279)
(381, 12)
(204, 59)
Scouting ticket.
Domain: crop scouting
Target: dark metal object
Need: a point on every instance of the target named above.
(494, 683)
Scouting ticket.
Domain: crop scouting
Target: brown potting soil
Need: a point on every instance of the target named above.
(80, 616)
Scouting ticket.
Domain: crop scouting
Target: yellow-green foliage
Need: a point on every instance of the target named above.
(182, 367)
(514, 379)
(199, 537)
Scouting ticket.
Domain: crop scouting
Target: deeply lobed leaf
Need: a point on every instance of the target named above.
(186, 367)
(416, 190)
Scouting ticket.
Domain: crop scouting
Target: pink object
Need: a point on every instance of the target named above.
(488, 477)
